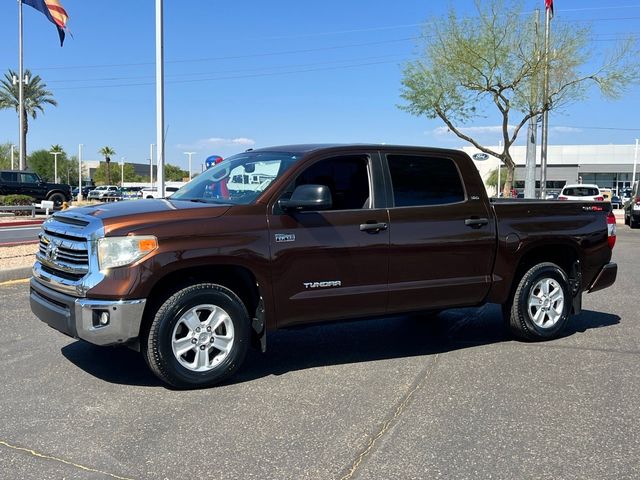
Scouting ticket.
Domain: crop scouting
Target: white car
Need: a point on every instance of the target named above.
(581, 191)
(149, 192)
(103, 191)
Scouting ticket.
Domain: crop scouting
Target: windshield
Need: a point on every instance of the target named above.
(237, 180)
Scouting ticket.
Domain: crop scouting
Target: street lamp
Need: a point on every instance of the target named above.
(80, 171)
(55, 165)
(12, 154)
(190, 154)
(122, 159)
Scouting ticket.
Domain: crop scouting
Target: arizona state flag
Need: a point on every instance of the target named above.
(54, 12)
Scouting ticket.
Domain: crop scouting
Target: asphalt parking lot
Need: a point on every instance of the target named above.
(405, 398)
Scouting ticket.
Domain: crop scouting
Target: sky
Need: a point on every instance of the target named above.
(250, 74)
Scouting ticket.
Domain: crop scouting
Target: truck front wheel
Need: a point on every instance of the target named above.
(540, 306)
(198, 337)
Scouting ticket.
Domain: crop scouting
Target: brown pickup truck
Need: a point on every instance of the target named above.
(293, 235)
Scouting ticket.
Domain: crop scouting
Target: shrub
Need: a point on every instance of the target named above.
(17, 200)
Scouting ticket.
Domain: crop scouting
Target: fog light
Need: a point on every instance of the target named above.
(100, 318)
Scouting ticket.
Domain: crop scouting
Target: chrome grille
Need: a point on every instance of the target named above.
(64, 253)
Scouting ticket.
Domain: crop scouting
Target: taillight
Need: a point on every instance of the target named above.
(599, 199)
(611, 229)
(562, 198)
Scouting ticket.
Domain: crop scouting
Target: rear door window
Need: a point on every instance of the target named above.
(419, 180)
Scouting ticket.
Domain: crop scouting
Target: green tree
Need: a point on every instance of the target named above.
(492, 179)
(107, 152)
(495, 62)
(5, 156)
(36, 96)
(173, 173)
(42, 162)
(100, 174)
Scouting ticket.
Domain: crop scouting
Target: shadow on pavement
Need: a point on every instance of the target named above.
(337, 344)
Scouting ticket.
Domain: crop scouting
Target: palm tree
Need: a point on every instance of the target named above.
(106, 152)
(36, 96)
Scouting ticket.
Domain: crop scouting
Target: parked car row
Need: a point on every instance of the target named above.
(632, 208)
(115, 193)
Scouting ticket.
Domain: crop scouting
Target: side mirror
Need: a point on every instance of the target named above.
(308, 197)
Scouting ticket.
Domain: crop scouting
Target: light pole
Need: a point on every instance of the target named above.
(151, 165)
(635, 161)
(80, 171)
(55, 165)
(12, 155)
(190, 154)
(122, 159)
(160, 97)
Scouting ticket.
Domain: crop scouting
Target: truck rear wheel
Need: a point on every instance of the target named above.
(198, 337)
(540, 306)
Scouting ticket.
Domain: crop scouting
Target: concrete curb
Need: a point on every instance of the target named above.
(18, 273)
(21, 223)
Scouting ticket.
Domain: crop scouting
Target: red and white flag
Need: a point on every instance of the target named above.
(549, 6)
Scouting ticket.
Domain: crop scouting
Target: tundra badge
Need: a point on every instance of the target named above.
(285, 237)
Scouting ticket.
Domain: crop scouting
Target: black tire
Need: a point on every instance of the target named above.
(164, 332)
(529, 323)
(632, 222)
(626, 218)
(57, 198)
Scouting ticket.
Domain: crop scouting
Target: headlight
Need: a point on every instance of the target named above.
(120, 251)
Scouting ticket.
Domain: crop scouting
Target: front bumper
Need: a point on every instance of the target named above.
(605, 277)
(80, 317)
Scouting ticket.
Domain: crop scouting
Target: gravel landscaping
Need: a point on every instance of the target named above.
(18, 256)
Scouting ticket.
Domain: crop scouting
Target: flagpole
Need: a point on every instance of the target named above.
(159, 98)
(22, 152)
(545, 113)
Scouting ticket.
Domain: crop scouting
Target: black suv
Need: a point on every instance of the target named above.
(14, 182)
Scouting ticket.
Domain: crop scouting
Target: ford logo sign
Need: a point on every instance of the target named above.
(480, 156)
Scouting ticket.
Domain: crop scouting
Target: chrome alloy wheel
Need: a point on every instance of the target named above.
(546, 303)
(202, 338)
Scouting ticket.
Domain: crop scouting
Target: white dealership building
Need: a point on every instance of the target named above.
(608, 166)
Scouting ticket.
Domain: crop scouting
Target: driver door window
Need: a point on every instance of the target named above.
(346, 177)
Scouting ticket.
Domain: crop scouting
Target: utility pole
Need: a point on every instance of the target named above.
(545, 106)
(160, 96)
(23, 153)
(80, 172)
(55, 165)
(499, 167)
(530, 169)
(190, 154)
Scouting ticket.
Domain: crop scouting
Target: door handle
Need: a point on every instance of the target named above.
(373, 227)
(476, 222)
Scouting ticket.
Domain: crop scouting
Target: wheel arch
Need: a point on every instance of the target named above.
(239, 279)
(565, 255)
(53, 192)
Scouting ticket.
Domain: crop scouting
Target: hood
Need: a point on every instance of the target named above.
(120, 218)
